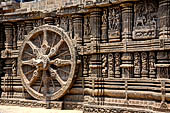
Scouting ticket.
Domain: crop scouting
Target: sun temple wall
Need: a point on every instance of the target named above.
(100, 56)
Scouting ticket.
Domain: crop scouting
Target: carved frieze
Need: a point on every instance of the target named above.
(145, 26)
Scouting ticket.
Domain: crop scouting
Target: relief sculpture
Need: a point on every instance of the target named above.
(145, 20)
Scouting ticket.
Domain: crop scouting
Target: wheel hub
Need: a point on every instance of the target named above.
(42, 62)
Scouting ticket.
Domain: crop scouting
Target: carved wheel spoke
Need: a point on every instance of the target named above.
(55, 75)
(28, 62)
(32, 45)
(45, 42)
(34, 77)
(55, 48)
(50, 68)
(59, 62)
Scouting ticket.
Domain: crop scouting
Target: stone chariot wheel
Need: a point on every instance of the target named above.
(47, 62)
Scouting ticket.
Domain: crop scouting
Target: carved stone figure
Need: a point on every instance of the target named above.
(137, 65)
(152, 71)
(144, 58)
(114, 25)
(117, 65)
(87, 29)
(111, 65)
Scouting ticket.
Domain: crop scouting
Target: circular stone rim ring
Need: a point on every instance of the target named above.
(62, 91)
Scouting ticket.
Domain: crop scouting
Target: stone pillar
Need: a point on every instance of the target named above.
(78, 28)
(95, 22)
(29, 26)
(9, 35)
(164, 18)
(127, 65)
(95, 66)
(14, 37)
(2, 36)
(127, 20)
(49, 20)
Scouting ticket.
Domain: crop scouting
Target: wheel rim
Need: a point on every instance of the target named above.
(47, 62)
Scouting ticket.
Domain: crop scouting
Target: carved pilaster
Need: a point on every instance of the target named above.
(95, 21)
(110, 65)
(2, 34)
(152, 68)
(71, 27)
(127, 20)
(137, 65)
(85, 66)
(144, 58)
(14, 37)
(162, 65)
(87, 29)
(9, 35)
(95, 66)
(164, 17)
(104, 37)
(78, 28)
(105, 65)
(49, 20)
(29, 26)
(20, 31)
(117, 65)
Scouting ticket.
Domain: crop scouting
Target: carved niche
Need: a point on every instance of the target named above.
(145, 19)
(37, 23)
(163, 64)
(87, 29)
(114, 24)
(64, 23)
(104, 26)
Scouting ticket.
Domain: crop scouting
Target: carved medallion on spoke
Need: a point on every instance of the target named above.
(47, 62)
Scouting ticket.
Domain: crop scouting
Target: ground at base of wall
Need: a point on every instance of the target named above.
(16, 109)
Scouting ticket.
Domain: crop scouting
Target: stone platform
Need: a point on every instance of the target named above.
(16, 109)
